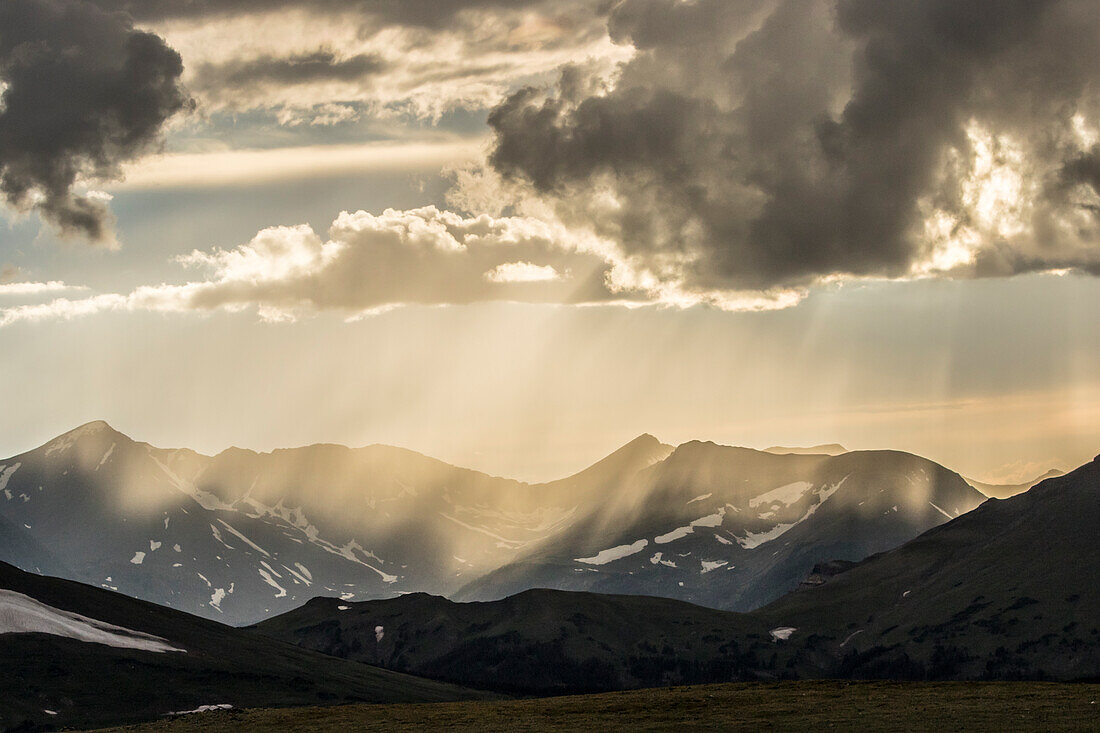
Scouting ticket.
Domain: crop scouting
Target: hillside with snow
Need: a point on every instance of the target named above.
(241, 535)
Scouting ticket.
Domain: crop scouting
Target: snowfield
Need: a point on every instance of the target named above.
(614, 553)
(21, 614)
(711, 520)
(785, 495)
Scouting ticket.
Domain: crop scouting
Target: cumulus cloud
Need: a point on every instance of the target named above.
(35, 288)
(374, 261)
(371, 263)
(779, 142)
(83, 92)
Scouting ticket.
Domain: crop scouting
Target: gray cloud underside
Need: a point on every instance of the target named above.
(771, 143)
(84, 93)
(319, 66)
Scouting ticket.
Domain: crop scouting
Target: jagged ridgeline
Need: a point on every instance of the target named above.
(243, 535)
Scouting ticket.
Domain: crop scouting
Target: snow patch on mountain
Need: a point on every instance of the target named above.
(5, 476)
(203, 709)
(786, 495)
(21, 614)
(296, 519)
(711, 520)
(782, 633)
(138, 558)
(244, 539)
(656, 559)
(271, 581)
(218, 536)
(105, 457)
(614, 553)
(752, 540)
(709, 565)
(941, 511)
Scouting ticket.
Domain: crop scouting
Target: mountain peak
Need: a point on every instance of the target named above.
(94, 426)
(88, 430)
(643, 440)
(91, 434)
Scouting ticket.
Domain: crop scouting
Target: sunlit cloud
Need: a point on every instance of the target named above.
(36, 288)
(249, 167)
(370, 263)
(521, 272)
(294, 59)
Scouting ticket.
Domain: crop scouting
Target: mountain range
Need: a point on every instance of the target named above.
(1007, 591)
(242, 535)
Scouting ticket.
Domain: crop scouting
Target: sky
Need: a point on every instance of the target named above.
(515, 234)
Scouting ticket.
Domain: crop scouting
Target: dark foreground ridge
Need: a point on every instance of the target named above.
(50, 680)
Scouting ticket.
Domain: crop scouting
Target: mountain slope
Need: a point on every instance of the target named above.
(536, 642)
(244, 535)
(74, 655)
(1006, 591)
(735, 528)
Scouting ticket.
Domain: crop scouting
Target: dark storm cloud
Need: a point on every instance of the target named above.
(84, 93)
(773, 143)
(1084, 168)
(319, 66)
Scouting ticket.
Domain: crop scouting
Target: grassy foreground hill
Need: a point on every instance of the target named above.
(879, 706)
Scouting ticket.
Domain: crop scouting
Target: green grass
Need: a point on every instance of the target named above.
(814, 705)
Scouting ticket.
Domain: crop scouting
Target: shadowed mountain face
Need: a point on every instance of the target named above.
(536, 642)
(74, 655)
(1006, 591)
(243, 535)
(735, 528)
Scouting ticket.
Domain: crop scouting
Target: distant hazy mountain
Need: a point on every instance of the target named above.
(828, 449)
(243, 535)
(75, 656)
(1003, 491)
(734, 528)
(1007, 591)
